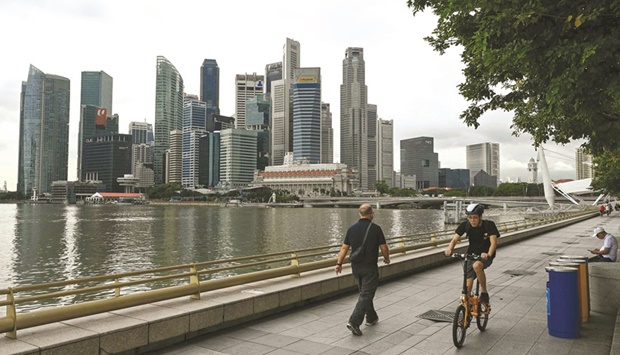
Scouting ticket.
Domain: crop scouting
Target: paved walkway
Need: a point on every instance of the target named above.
(518, 323)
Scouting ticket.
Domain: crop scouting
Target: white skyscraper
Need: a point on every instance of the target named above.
(247, 86)
(327, 135)
(385, 151)
(583, 165)
(483, 156)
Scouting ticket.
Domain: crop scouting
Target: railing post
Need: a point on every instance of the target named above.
(434, 240)
(295, 264)
(194, 280)
(401, 244)
(117, 291)
(11, 313)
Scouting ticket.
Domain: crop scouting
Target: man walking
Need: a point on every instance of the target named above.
(608, 251)
(365, 271)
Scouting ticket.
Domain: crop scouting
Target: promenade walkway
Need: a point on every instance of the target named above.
(518, 323)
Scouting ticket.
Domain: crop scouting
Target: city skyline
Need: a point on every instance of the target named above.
(410, 84)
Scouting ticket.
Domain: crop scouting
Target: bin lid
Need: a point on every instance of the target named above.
(580, 257)
(571, 260)
(563, 263)
(560, 269)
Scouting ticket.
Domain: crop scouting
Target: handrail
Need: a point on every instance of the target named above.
(196, 278)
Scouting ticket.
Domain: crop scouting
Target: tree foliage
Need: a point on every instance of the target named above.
(607, 169)
(553, 64)
(381, 186)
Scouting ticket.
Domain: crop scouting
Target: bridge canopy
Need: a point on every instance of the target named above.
(576, 187)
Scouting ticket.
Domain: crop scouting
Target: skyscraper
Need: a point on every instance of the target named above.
(385, 151)
(168, 112)
(353, 118)
(210, 90)
(142, 152)
(106, 158)
(43, 132)
(371, 119)
(194, 127)
(247, 86)
(174, 158)
(237, 157)
(483, 156)
(327, 135)
(273, 72)
(141, 132)
(583, 165)
(307, 115)
(97, 89)
(417, 157)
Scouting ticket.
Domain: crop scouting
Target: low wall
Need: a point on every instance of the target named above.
(145, 328)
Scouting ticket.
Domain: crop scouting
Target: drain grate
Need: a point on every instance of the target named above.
(438, 316)
(519, 272)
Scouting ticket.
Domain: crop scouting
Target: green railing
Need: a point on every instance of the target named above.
(118, 291)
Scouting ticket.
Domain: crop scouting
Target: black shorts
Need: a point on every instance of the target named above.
(471, 274)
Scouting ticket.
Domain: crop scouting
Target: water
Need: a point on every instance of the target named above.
(43, 243)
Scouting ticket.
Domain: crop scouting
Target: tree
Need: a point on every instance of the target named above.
(381, 186)
(607, 177)
(553, 64)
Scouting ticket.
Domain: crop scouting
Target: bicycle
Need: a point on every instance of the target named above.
(469, 306)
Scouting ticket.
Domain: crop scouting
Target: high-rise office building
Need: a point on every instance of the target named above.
(258, 110)
(371, 124)
(194, 127)
(282, 104)
(97, 89)
(141, 132)
(247, 86)
(417, 157)
(273, 72)
(385, 151)
(43, 132)
(583, 164)
(174, 158)
(210, 90)
(142, 153)
(327, 135)
(94, 120)
(454, 178)
(237, 157)
(168, 112)
(483, 156)
(209, 166)
(106, 158)
(353, 118)
(307, 115)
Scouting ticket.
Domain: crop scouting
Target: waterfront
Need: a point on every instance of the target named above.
(43, 243)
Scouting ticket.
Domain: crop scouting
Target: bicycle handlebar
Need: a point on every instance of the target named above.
(466, 256)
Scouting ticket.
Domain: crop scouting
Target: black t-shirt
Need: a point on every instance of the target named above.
(355, 237)
(479, 237)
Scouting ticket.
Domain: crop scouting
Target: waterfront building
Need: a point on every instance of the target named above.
(353, 117)
(237, 157)
(194, 127)
(583, 165)
(209, 165)
(210, 90)
(454, 178)
(96, 90)
(308, 179)
(43, 132)
(281, 104)
(385, 151)
(371, 124)
(307, 115)
(327, 134)
(94, 120)
(273, 72)
(258, 110)
(417, 158)
(532, 169)
(141, 132)
(142, 164)
(482, 178)
(174, 158)
(247, 86)
(483, 156)
(168, 112)
(106, 158)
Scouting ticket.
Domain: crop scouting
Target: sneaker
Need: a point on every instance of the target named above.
(373, 322)
(354, 329)
(484, 297)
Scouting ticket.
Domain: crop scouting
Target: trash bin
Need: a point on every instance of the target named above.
(583, 284)
(563, 319)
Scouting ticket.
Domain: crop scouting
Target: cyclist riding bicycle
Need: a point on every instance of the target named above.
(482, 236)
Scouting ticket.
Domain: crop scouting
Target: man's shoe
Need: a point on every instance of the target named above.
(354, 329)
(484, 298)
(373, 322)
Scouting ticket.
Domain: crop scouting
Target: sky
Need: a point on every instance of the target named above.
(409, 82)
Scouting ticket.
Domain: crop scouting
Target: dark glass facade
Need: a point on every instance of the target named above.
(210, 90)
(106, 158)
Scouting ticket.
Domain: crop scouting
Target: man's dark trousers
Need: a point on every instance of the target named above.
(367, 282)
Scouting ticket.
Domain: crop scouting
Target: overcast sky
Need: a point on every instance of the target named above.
(409, 82)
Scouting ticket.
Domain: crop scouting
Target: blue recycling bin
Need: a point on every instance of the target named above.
(563, 317)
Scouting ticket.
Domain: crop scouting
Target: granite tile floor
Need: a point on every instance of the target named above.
(517, 325)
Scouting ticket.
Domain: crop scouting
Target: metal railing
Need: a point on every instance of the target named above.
(114, 292)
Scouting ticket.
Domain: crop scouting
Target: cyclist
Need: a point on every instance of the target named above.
(482, 235)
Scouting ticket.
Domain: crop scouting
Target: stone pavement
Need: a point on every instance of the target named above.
(517, 325)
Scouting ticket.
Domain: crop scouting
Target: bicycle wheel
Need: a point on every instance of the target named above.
(458, 327)
(483, 317)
